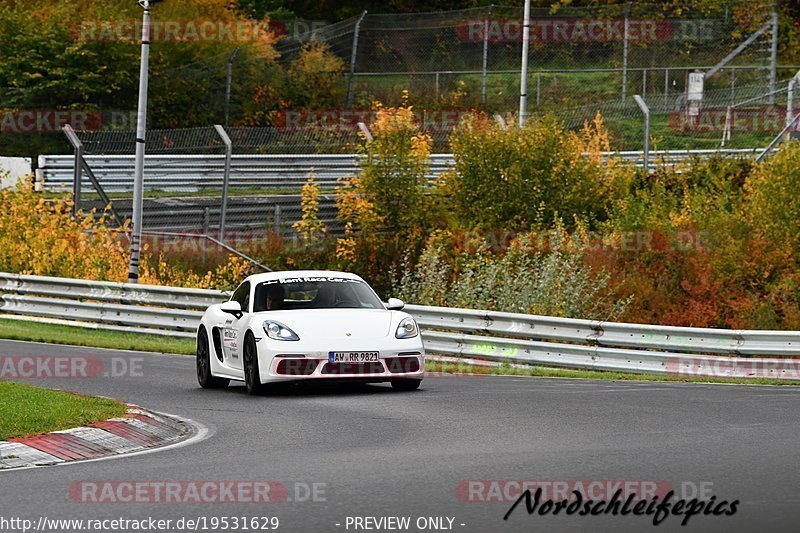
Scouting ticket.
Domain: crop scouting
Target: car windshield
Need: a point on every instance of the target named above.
(314, 293)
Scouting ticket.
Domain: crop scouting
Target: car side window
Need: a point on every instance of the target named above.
(242, 295)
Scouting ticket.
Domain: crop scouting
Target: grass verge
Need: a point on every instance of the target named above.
(508, 370)
(96, 338)
(78, 336)
(27, 410)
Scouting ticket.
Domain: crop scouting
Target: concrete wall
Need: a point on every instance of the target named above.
(16, 167)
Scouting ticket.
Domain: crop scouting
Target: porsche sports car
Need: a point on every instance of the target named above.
(321, 325)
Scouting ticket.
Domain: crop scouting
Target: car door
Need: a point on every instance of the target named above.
(231, 341)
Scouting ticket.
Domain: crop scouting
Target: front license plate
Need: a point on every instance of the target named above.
(352, 357)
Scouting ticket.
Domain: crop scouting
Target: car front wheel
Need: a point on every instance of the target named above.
(204, 376)
(252, 375)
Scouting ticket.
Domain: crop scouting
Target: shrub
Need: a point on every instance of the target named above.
(523, 280)
(774, 202)
(524, 178)
(314, 75)
(387, 209)
(310, 228)
(41, 237)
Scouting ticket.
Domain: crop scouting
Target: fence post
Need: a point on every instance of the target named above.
(790, 98)
(625, 53)
(276, 223)
(353, 56)
(646, 110)
(485, 53)
(77, 173)
(644, 82)
(225, 180)
(206, 223)
(228, 82)
(666, 89)
(538, 88)
(773, 60)
(733, 85)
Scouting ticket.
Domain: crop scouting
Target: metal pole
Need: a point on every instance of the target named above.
(726, 132)
(644, 82)
(353, 56)
(523, 82)
(625, 53)
(773, 61)
(485, 53)
(77, 171)
(666, 89)
(646, 110)
(733, 86)
(777, 139)
(223, 211)
(141, 133)
(790, 98)
(206, 222)
(228, 83)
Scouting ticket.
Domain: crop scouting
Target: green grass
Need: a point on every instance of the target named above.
(27, 410)
(508, 370)
(78, 336)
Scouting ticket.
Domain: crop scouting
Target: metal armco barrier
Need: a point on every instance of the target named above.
(494, 336)
(193, 173)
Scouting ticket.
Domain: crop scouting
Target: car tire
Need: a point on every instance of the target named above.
(252, 376)
(203, 361)
(406, 384)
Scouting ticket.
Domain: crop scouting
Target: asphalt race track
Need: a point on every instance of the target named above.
(374, 453)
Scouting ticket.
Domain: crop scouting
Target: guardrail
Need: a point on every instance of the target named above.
(463, 333)
(193, 173)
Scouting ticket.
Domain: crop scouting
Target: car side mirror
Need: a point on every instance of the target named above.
(232, 308)
(395, 305)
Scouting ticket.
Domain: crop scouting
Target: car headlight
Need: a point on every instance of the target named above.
(279, 332)
(407, 329)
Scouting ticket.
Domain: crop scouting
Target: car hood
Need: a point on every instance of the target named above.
(333, 324)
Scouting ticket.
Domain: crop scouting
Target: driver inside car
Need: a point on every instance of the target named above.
(275, 296)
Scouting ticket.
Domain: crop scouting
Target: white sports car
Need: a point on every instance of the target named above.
(291, 326)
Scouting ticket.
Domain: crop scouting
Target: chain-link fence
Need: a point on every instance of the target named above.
(454, 61)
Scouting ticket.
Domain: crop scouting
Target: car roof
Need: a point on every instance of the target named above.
(284, 274)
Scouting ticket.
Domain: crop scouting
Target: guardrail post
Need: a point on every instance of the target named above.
(77, 146)
(226, 178)
(353, 57)
(646, 110)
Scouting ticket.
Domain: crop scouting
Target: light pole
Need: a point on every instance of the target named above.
(523, 83)
(141, 133)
